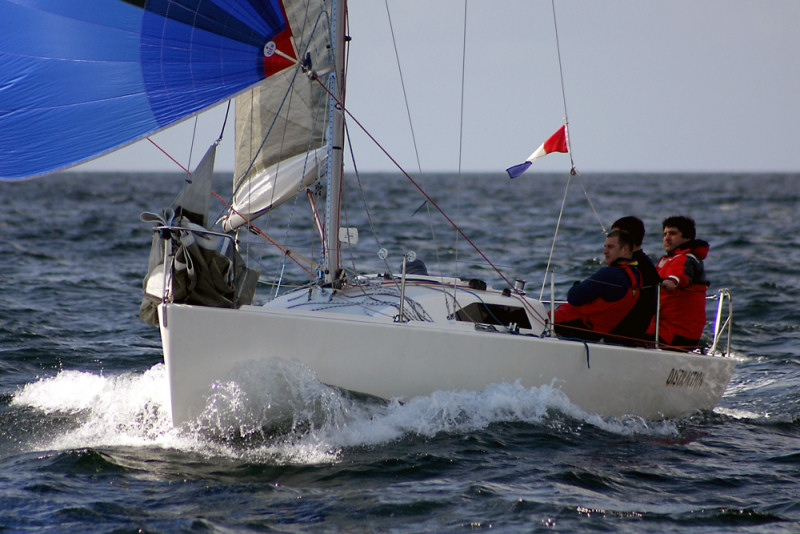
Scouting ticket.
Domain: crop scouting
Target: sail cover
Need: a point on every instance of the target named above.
(79, 79)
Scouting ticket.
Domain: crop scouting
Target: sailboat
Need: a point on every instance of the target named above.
(126, 69)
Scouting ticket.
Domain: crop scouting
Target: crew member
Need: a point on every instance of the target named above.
(596, 305)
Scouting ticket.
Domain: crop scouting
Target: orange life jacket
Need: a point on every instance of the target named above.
(600, 315)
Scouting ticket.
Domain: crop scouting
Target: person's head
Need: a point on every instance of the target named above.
(677, 231)
(619, 244)
(632, 225)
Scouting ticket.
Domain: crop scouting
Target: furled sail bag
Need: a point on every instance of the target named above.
(189, 263)
(201, 269)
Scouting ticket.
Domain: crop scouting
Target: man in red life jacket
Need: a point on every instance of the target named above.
(683, 289)
(596, 305)
(632, 330)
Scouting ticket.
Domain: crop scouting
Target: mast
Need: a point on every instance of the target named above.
(332, 264)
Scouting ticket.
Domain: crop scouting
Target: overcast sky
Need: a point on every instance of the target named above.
(677, 85)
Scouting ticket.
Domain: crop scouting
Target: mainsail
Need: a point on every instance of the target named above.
(281, 123)
(81, 79)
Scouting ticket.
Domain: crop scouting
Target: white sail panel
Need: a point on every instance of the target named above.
(284, 117)
(274, 186)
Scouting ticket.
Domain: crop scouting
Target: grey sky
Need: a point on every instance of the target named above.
(686, 85)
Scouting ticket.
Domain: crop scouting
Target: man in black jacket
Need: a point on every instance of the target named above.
(631, 331)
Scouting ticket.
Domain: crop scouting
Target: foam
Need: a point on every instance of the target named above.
(277, 411)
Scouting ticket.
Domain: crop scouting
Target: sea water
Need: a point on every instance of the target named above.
(86, 443)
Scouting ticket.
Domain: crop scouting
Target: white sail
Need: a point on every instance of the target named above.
(281, 120)
(273, 186)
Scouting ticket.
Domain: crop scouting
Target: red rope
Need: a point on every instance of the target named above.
(415, 184)
(255, 228)
(187, 171)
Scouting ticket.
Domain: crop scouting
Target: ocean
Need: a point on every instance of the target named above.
(86, 444)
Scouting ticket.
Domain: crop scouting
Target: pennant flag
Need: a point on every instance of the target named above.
(555, 143)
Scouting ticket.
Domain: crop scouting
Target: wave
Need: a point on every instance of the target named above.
(277, 411)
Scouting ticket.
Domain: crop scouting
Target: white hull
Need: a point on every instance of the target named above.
(388, 359)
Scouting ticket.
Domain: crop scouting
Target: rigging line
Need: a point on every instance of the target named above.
(176, 162)
(463, 76)
(301, 186)
(363, 195)
(191, 146)
(411, 127)
(566, 117)
(591, 204)
(403, 86)
(569, 150)
(224, 122)
(280, 107)
(461, 118)
(286, 251)
(460, 138)
(553, 244)
(561, 76)
(419, 188)
(308, 39)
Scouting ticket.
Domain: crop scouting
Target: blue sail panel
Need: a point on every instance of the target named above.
(81, 79)
(194, 68)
